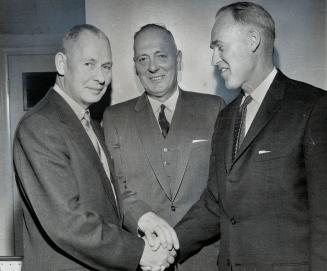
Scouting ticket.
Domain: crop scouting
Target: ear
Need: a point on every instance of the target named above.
(135, 70)
(179, 60)
(60, 61)
(134, 59)
(254, 39)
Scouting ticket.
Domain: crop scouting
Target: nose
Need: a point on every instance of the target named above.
(99, 76)
(216, 57)
(153, 67)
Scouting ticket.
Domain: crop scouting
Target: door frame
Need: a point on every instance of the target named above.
(8, 207)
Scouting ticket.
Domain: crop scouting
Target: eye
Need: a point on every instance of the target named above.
(162, 56)
(143, 59)
(107, 67)
(89, 64)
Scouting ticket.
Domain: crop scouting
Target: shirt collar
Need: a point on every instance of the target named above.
(78, 109)
(260, 92)
(170, 103)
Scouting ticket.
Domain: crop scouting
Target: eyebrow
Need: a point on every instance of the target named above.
(89, 59)
(156, 52)
(107, 63)
(94, 60)
(160, 52)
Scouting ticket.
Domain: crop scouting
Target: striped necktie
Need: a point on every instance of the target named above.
(86, 121)
(239, 126)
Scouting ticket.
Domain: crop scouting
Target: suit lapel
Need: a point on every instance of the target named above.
(99, 133)
(270, 105)
(75, 127)
(183, 128)
(150, 135)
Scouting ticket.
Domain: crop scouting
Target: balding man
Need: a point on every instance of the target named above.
(71, 202)
(266, 194)
(160, 141)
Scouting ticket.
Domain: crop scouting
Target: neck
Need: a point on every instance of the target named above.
(61, 84)
(259, 74)
(163, 98)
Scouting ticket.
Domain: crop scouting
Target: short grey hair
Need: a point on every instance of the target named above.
(73, 34)
(252, 14)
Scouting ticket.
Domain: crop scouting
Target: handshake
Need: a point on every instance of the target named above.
(161, 243)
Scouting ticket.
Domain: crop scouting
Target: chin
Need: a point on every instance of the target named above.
(94, 99)
(232, 85)
(228, 85)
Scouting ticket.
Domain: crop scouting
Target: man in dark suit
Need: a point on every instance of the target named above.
(65, 176)
(160, 141)
(267, 187)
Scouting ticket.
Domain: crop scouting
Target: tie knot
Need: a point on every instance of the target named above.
(86, 116)
(162, 107)
(247, 100)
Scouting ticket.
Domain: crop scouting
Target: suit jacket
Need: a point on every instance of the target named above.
(143, 157)
(269, 204)
(71, 220)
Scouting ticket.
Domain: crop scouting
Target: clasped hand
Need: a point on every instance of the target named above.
(157, 260)
(161, 242)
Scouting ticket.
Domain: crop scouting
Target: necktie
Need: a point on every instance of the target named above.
(163, 122)
(239, 126)
(86, 121)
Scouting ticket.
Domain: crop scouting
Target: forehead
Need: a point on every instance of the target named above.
(153, 39)
(89, 44)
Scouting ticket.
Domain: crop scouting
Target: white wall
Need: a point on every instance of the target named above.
(300, 44)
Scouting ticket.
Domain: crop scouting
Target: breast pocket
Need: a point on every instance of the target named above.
(199, 143)
(271, 151)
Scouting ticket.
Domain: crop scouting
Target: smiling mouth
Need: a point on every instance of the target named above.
(156, 78)
(96, 89)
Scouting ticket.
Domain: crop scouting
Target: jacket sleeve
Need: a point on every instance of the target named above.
(315, 144)
(201, 224)
(49, 187)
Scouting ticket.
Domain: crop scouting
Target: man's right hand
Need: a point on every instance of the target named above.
(156, 260)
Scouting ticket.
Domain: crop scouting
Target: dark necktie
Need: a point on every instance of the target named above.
(163, 122)
(239, 126)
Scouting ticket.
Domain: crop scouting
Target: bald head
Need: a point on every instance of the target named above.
(157, 61)
(154, 28)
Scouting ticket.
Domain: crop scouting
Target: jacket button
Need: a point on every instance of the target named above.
(233, 221)
(173, 208)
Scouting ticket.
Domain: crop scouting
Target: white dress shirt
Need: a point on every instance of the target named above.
(257, 95)
(170, 105)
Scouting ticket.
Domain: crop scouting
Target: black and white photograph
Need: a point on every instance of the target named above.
(151, 135)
